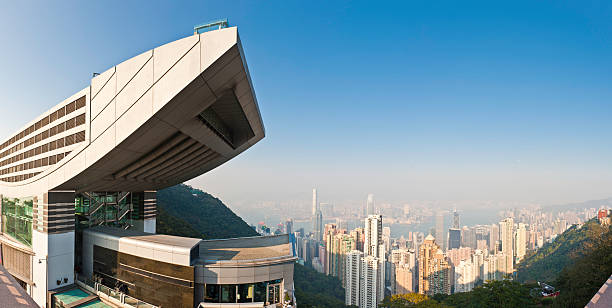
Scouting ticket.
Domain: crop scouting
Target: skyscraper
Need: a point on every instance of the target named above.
(464, 276)
(315, 202)
(520, 241)
(440, 236)
(370, 208)
(506, 235)
(493, 238)
(454, 238)
(374, 245)
(318, 226)
(317, 217)
(434, 270)
(352, 273)
(455, 219)
(372, 288)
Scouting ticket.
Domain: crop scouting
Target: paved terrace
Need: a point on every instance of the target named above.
(11, 293)
(603, 298)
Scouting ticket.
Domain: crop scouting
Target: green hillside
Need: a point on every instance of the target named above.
(581, 280)
(187, 211)
(313, 289)
(546, 263)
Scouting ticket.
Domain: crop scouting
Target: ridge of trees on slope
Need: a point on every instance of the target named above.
(187, 211)
(546, 263)
(313, 289)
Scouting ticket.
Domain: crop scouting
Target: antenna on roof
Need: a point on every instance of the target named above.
(210, 26)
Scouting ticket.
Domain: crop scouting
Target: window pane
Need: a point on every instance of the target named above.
(245, 293)
(228, 293)
(260, 292)
(212, 293)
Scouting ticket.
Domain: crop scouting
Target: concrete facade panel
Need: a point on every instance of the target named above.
(176, 79)
(134, 117)
(215, 44)
(98, 82)
(134, 89)
(105, 119)
(104, 97)
(128, 69)
(168, 55)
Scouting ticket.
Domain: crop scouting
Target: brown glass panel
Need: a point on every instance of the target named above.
(70, 107)
(80, 103)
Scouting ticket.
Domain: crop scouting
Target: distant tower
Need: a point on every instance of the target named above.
(455, 219)
(315, 203)
(318, 225)
(440, 238)
(506, 227)
(370, 210)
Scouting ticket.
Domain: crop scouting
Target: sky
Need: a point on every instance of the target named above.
(409, 100)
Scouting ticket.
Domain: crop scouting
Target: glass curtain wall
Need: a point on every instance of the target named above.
(266, 292)
(17, 218)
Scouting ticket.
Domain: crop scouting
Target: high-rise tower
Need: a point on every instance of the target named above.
(373, 245)
(455, 219)
(370, 209)
(440, 236)
(434, 270)
(506, 236)
(315, 203)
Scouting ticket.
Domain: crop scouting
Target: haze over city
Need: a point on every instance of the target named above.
(448, 102)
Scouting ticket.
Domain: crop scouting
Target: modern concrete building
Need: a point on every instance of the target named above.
(77, 184)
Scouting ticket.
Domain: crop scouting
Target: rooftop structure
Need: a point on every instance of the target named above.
(78, 183)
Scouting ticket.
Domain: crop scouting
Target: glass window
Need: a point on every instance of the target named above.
(260, 292)
(228, 293)
(246, 293)
(212, 293)
(17, 218)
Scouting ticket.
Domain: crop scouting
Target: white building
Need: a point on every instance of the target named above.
(506, 233)
(352, 272)
(520, 242)
(372, 286)
(373, 244)
(464, 276)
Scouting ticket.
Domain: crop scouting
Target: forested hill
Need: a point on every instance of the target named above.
(547, 262)
(187, 211)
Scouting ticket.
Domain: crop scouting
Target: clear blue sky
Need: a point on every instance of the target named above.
(443, 100)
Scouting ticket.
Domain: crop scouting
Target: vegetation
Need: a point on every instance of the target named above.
(313, 289)
(186, 211)
(500, 294)
(581, 280)
(546, 263)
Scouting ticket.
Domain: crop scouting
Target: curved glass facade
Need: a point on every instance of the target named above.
(269, 292)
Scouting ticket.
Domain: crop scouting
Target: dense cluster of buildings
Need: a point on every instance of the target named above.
(371, 264)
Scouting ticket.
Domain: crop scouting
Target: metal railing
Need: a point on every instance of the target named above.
(124, 299)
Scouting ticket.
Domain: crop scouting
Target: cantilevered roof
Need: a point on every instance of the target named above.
(158, 119)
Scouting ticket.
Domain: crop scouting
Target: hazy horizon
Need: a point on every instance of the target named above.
(444, 102)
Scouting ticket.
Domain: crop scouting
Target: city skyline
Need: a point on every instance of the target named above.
(453, 111)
